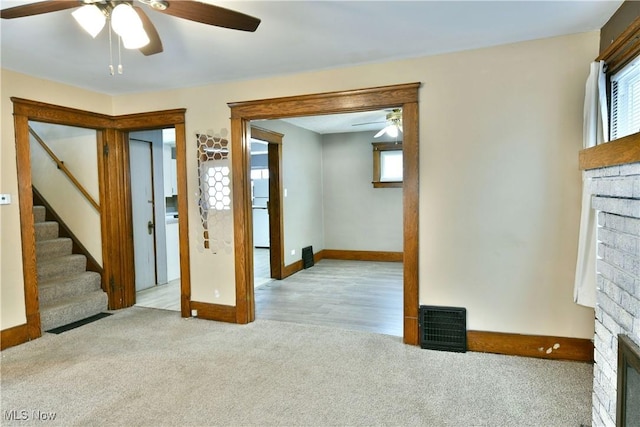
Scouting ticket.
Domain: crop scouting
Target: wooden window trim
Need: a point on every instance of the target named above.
(619, 152)
(624, 150)
(379, 147)
(623, 49)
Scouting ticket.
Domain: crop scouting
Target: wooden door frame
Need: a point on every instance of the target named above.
(276, 226)
(403, 96)
(115, 199)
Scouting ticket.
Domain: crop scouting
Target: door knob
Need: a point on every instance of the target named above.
(150, 227)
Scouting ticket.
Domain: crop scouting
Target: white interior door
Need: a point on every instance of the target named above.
(142, 207)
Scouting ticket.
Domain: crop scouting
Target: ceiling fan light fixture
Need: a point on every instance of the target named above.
(135, 39)
(156, 4)
(394, 124)
(91, 18)
(128, 25)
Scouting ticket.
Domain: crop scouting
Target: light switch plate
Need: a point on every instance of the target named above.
(5, 199)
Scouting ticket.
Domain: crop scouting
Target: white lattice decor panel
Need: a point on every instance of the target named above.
(214, 195)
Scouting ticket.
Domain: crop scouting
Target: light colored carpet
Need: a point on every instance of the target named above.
(151, 368)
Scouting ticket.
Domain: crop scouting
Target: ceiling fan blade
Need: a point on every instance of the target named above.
(155, 44)
(368, 123)
(379, 134)
(211, 15)
(38, 8)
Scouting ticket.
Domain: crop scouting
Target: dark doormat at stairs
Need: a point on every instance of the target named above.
(77, 324)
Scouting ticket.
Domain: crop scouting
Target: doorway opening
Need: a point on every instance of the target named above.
(67, 222)
(154, 193)
(353, 227)
(260, 209)
(242, 113)
(266, 205)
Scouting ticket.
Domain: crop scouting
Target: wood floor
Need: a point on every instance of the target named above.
(165, 297)
(261, 267)
(357, 295)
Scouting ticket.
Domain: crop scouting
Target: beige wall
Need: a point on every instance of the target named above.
(500, 129)
(499, 208)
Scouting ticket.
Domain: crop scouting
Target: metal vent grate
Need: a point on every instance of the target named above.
(307, 257)
(443, 328)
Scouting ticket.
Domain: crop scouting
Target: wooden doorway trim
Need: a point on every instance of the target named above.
(116, 243)
(276, 226)
(25, 110)
(404, 96)
(150, 121)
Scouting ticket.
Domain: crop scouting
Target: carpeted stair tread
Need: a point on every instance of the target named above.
(67, 292)
(53, 248)
(50, 291)
(68, 265)
(72, 309)
(39, 213)
(46, 230)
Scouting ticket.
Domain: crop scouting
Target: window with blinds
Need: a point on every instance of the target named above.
(625, 100)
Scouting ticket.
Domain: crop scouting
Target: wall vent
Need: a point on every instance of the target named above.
(443, 328)
(307, 257)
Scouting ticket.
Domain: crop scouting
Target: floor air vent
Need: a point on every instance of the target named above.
(307, 257)
(443, 328)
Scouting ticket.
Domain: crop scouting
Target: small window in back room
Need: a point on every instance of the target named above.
(625, 100)
(387, 164)
(391, 166)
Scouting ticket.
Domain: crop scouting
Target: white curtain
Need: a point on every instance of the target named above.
(595, 132)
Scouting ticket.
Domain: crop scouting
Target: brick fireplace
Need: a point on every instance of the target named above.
(616, 196)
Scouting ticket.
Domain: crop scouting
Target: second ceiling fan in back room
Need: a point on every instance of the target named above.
(394, 124)
(131, 24)
(393, 119)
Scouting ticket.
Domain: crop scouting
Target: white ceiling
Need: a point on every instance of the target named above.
(339, 123)
(294, 36)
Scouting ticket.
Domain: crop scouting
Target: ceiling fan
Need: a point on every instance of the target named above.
(394, 124)
(131, 23)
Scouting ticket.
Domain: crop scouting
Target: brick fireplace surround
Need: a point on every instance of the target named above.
(616, 196)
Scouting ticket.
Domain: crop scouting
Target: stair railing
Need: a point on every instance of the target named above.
(65, 170)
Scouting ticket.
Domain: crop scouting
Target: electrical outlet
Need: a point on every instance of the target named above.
(5, 199)
(293, 251)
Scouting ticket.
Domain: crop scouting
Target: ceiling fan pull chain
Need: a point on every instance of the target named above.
(110, 50)
(119, 55)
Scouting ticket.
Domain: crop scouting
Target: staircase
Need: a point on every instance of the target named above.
(67, 291)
